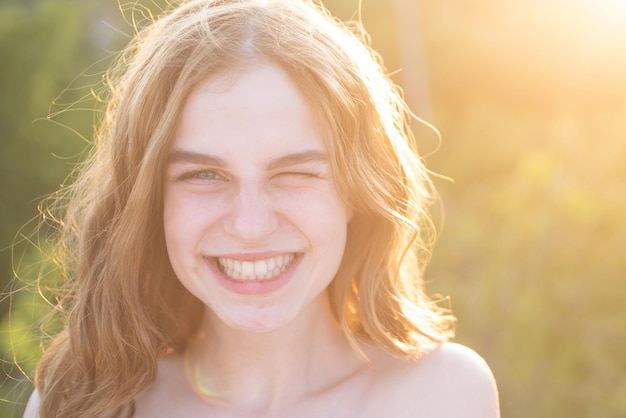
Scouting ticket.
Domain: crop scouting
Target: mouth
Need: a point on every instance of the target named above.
(265, 269)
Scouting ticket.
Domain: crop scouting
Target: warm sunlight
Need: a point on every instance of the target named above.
(557, 49)
(612, 9)
(528, 98)
(607, 18)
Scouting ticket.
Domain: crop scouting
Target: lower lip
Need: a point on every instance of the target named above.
(254, 287)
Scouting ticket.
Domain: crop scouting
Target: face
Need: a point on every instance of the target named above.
(254, 225)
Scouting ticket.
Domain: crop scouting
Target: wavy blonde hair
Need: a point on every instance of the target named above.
(126, 308)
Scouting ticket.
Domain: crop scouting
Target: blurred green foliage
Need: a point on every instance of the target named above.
(531, 105)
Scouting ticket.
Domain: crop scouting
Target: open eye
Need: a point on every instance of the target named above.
(201, 176)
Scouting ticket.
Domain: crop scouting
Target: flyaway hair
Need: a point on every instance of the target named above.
(125, 307)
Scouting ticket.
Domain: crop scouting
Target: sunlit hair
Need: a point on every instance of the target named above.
(126, 307)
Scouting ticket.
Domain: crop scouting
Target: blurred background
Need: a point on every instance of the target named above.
(530, 100)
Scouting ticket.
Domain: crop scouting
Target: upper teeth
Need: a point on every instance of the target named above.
(255, 270)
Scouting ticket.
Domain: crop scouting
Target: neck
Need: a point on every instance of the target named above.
(262, 370)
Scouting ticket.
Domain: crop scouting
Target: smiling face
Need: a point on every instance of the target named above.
(254, 225)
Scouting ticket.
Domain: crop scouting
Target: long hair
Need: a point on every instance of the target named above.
(126, 308)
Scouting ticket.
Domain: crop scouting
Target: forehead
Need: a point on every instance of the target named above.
(258, 85)
(258, 108)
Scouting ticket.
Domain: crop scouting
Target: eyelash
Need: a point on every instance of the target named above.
(310, 174)
(210, 175)
(201, 175)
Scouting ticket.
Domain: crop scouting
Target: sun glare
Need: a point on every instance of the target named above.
(610, 6)
(612, 12)
(559, 47)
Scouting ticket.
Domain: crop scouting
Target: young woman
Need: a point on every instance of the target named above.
(249, 235)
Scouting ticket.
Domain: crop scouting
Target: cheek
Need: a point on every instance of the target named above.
(173, 217)
(185, 213)
(324, 220)
(183, 219)
(173, 227)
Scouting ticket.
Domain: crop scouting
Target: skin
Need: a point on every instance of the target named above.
(451, 381)
(248, 180)
(279, 353)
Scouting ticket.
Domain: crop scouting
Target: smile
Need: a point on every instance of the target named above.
(255, 270)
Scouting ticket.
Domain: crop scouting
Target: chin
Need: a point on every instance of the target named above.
(257, 320)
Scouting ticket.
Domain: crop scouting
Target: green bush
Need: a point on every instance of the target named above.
(530, 106)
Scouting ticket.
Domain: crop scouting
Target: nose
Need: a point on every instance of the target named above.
(252, 217)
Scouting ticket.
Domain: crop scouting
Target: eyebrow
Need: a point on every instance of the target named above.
(184, 156)
(309, 156)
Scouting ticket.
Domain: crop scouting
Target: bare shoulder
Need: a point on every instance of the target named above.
(450, 380)
(32, 407)
(459, 363)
